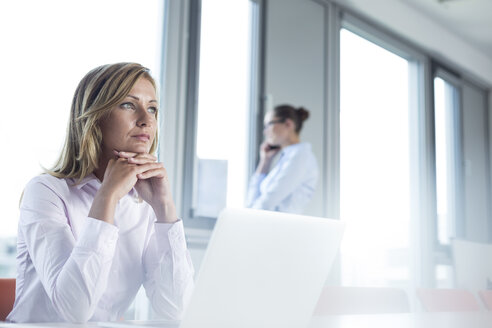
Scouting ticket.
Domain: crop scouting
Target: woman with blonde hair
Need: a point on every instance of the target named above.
(287, 184)
(102, 222)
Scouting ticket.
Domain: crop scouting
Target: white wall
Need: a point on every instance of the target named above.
(490, 159)
(412, 25)
(475, 153)
(295, 72)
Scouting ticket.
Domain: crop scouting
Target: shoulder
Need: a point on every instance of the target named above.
(46, 185)
(304, 156)
(309, 154)
(50, 181)
(302, 149)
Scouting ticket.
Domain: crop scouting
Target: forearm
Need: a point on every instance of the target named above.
(254, 188)
(170, 294)
(165, 211)
(103, 206)
(74, 275)
(169, 270)
(76, 294)
(263, 166)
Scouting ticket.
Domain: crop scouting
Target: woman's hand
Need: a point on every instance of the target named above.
(119, 178)
(267, 152)
(152, 184)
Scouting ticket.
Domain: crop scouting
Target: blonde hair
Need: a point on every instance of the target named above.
(97, 94)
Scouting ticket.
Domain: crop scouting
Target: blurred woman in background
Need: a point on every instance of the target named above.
(286, 184)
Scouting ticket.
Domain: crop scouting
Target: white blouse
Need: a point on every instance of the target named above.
(71, 267)
(290, 184)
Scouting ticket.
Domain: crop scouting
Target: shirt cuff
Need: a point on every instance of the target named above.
(257, 178)
(170, 236)
(99, 236)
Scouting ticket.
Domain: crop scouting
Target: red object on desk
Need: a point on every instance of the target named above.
(486, 296)
(7, 296)
(361, 300)
(447, 300)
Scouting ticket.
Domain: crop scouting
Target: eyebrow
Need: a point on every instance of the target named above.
(136, 98)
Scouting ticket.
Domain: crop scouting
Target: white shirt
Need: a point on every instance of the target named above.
(289, 185)
(71, 267)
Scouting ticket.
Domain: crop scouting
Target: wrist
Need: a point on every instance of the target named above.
(263, 166)
(165, 212)
(103, 206)
(108, 198)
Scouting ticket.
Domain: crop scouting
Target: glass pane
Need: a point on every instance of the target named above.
(53, 44)
(444, 104)
(374, 164)
(223, 106)
(444, 276)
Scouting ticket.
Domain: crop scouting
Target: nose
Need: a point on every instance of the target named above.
(145, 119)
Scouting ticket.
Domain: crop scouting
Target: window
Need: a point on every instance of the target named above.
(375, 159)
(53, 44)
(220, 157)
(462, 167)
(446, 105)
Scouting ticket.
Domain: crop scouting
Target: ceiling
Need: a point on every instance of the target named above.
(470, 20)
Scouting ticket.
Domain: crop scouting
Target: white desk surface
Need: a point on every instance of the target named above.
(116, 324)
(403, 320)
(406, 320)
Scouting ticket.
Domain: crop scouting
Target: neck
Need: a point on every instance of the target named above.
(103, 163)
(293, 139)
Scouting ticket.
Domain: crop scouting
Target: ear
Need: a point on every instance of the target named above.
(290, 124)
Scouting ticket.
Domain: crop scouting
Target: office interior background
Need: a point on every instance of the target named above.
(399, 93)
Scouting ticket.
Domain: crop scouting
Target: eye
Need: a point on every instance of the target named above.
(127, 105)
(152, 110)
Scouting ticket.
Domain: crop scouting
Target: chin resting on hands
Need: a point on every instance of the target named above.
(152, 184)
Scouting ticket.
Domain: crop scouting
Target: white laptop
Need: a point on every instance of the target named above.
(261, 269)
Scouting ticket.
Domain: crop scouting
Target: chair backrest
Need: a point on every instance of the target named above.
(7, 296)
(486, 296)
(447, 300)
(471, 271)
(361, 300)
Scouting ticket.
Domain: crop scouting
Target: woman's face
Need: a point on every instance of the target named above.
(274, 129)
(131, 125)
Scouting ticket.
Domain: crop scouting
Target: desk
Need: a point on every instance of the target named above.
(116, 324)
(406, 320)
(401, 320)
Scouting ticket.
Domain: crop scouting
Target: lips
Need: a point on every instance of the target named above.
(142, 137)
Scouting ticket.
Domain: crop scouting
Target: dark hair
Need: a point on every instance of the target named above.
(297, 115)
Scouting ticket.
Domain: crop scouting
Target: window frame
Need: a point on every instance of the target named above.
(189, 217)
(457, 194)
